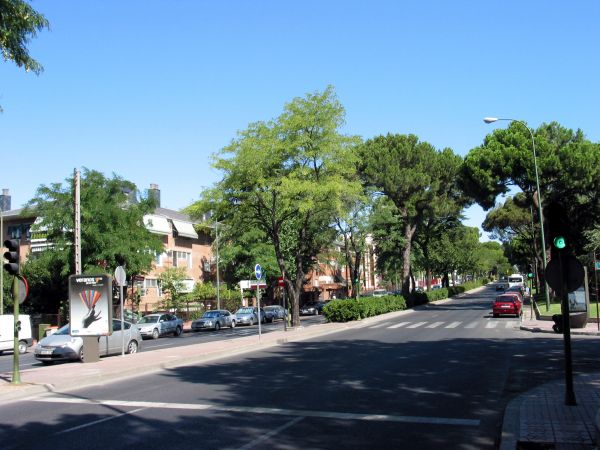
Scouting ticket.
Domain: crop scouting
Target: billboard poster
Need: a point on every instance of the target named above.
(90, 300)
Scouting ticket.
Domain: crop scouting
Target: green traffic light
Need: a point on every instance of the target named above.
(559, 242)
(530, 275)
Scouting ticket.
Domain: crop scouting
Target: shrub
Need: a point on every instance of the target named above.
(350, 309)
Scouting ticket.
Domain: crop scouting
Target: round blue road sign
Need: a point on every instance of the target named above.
(258, 271)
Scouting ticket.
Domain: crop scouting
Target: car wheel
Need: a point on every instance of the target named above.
(264, 320)
(81, 357)
(177, 332)
(217, 326)
(155, 333)
(233, 324)
(22, 347)
(132, 347)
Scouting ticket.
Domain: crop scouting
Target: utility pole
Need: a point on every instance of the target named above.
(77, 200)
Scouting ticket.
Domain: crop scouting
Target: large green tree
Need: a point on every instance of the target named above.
(18, 23)
(416, 177)
(568, 167)
(112, 233)
(288, 178)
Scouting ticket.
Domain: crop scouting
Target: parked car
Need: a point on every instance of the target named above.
(7, 333)
(155, 325)
(312, 309)
(517, 290)
(275, 312)
(380, 293)
(61, 346)
(214, 320)
(506, 304)
(248, 315)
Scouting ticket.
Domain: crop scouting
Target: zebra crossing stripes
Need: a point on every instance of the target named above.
(398, 325)
(488, 324)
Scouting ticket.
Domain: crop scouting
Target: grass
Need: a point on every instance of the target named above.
(555, 309)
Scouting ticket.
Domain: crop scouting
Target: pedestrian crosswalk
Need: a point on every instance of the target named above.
(483, 323)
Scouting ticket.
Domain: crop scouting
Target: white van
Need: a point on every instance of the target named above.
(515, 280)
(7, 333)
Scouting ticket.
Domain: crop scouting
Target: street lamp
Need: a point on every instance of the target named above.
(537, 185)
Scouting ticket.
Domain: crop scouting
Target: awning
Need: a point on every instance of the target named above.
(157, 224)
(185, 229)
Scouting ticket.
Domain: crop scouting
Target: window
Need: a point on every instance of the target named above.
(181, 259)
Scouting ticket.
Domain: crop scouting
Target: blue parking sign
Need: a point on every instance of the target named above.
(258, 271)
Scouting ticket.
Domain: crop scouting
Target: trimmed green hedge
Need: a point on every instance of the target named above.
(350, 309)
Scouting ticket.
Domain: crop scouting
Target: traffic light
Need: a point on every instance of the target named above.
(530, 275)
(559, 242)
(18, 326)
(12, 255)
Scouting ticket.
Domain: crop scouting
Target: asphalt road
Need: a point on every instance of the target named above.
(437, 377)
(27, 360)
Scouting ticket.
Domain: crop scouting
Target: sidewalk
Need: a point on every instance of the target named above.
(537, 419)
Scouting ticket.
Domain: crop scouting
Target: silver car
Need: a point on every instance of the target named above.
(61, 346)
(214, 320)
(275, 312)
(156, 325)
(248, 315)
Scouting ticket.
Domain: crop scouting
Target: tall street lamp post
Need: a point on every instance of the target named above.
(537, 185)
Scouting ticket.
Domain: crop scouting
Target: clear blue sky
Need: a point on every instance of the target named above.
(150, 89)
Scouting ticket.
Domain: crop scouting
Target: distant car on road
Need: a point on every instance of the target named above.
(506, 304)
(156, 325)
(248, 315)
(312, 309)
(379, 292)
(214, 320)
(61, 346)
(275, 312)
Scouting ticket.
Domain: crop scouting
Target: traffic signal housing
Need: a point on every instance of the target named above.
(12, 255)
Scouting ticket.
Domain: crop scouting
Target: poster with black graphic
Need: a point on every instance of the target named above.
(90, 302)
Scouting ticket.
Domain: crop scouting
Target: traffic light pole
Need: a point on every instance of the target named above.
(16, 378)
(564, 300)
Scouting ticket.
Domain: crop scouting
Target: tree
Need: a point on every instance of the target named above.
(172, 284)
(568, 168)
(416, 177)
(112, 232)
(18, 23)
(287, 177)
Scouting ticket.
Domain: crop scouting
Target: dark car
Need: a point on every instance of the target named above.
(274, 312)
(214, 320)
(312, 309)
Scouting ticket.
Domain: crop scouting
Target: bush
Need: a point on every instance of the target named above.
(350, 309)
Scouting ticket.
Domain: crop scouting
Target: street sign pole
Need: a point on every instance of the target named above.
(258, 273)
(16, 378)
(121, 279)
(596, 269)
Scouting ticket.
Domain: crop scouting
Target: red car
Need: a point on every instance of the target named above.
(506, 304)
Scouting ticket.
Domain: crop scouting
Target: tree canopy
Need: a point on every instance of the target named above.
(112, 231)
(289, 178)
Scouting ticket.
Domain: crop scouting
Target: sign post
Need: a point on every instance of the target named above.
(258, 273)
(121, 280)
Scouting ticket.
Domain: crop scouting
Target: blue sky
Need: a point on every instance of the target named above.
(150, 89)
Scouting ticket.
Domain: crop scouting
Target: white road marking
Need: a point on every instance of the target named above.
(472, 324)
(379, 325)
(96, 422)
(271, 433)
(259, 410)
(491, 324)
(453, 325)
(398, 325)
(434, 325)
(416, 325)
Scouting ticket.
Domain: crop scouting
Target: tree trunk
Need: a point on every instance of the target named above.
(409, 231)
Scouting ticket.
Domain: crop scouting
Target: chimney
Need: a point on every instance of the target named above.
(5, 200)
(154, 192)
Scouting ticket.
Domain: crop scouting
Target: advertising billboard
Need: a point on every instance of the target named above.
(90, 301)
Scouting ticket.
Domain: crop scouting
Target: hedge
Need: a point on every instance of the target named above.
(351, 309)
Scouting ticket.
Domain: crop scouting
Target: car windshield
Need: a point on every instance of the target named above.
(245, 311)
(64, 330)
(148, 319)
(269, 308)
(210, 314)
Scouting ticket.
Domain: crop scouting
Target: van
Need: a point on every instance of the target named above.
(515, 280)
(7, 333)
